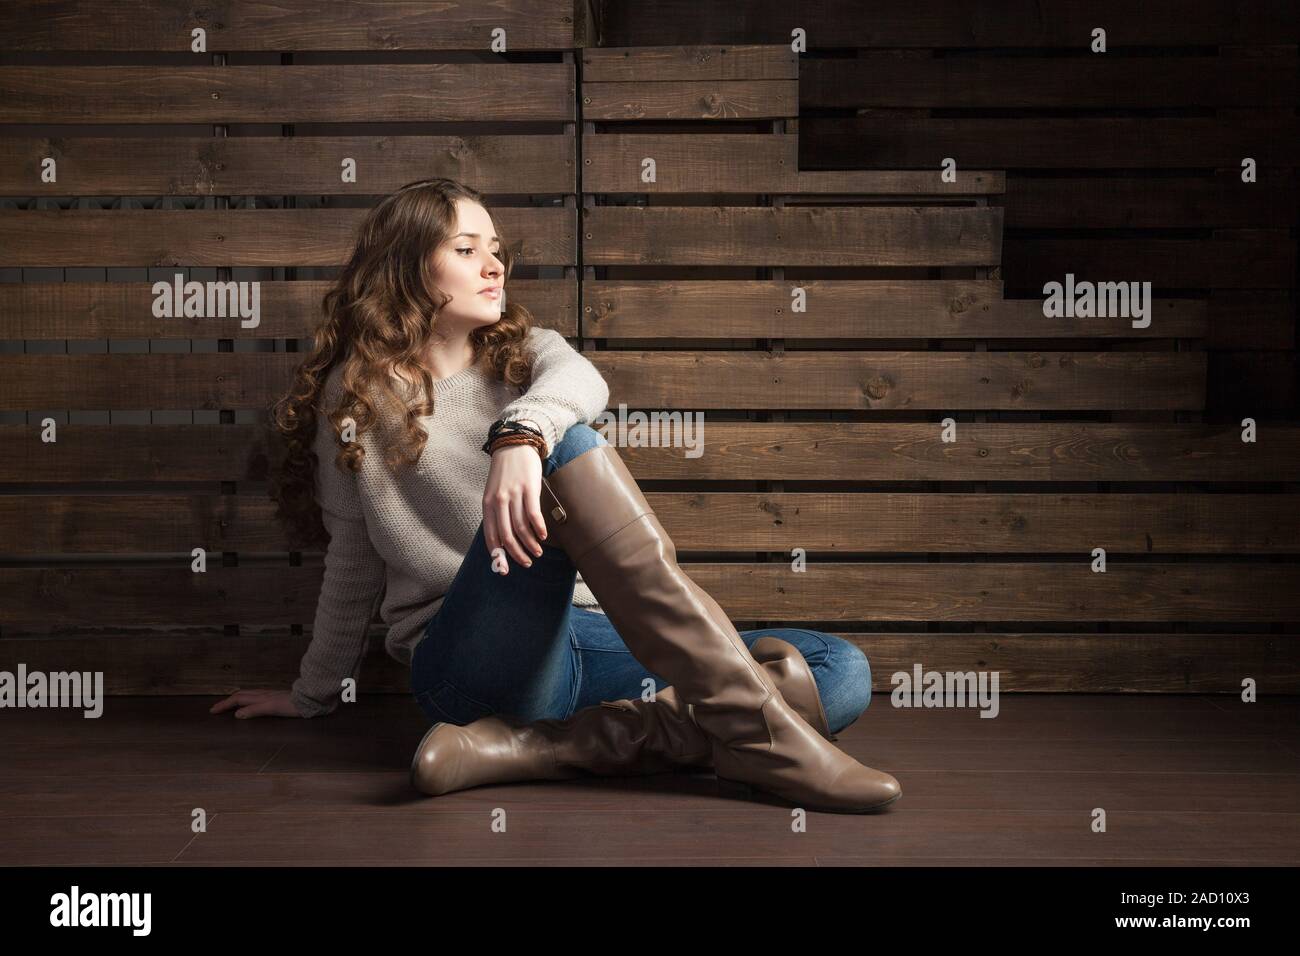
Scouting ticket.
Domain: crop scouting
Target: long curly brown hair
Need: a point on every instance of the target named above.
(378, 318)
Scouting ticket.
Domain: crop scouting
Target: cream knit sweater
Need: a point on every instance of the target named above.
(402, 539)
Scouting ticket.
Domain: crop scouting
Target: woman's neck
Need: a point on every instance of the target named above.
(449, 357)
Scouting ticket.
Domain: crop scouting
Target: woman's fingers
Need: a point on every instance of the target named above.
(492, 540)
(504, 528)
(251, 703)
(515, 524)
(535, 516)
(520, 511)
(489, 531)
(234, 700)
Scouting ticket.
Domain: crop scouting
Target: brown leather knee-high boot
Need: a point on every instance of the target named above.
(594, 510)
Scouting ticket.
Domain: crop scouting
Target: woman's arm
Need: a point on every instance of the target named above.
(354, 577)
(566, 388)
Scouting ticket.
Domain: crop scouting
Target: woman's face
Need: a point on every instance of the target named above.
(465, 265)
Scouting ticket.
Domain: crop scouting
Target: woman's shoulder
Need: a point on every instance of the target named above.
(540, 335)
(332, 392)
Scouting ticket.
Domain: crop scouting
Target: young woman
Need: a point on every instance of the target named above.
(435, 436)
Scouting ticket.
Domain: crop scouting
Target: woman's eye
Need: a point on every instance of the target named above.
(495, 252)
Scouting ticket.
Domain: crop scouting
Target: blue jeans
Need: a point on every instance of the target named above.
(515, 644)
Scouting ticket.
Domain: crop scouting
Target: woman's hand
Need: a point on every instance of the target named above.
(512, 509)
(258, 703)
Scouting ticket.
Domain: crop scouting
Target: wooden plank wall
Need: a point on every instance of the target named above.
(795, 269)
(222, 164)
(1123, 166)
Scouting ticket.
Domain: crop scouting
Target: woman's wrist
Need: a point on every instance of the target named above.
(505, 444)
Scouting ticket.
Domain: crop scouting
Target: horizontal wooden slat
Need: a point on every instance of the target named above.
(1114, 81)
(1007, 591)
(619, 308)
(750, 163)
(336, 93)
(827, 591)
(1266, 261)
(885, 141)
(287, 309)
(849, 309)
(905, 380)
(113, 453)
(675, 380)
(238, 237)
(758, 236)
(1019, 451)
(298, 165)
(950, 23)
(623, 309)
(286, 25)
(1222, 200)
(776, 451)
(691, 100)
(208, 661)
(684, 62)
(155, 381)
(728, 521)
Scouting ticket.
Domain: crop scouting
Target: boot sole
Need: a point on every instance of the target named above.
(741, 788)
(724, 783)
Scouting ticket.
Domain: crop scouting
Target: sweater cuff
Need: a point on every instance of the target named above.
(308, 706)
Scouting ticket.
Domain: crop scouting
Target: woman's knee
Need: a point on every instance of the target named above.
(575, 441)
(840, 668)
(850, 671)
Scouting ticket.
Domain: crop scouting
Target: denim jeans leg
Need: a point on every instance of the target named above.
(841, 669)
(578, 439)
(503, 643)
(608, 671)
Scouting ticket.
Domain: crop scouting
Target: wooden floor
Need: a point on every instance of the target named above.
(1183, 780)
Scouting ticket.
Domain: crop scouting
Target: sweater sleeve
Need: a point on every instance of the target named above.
(566, 388)
(354, 576)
